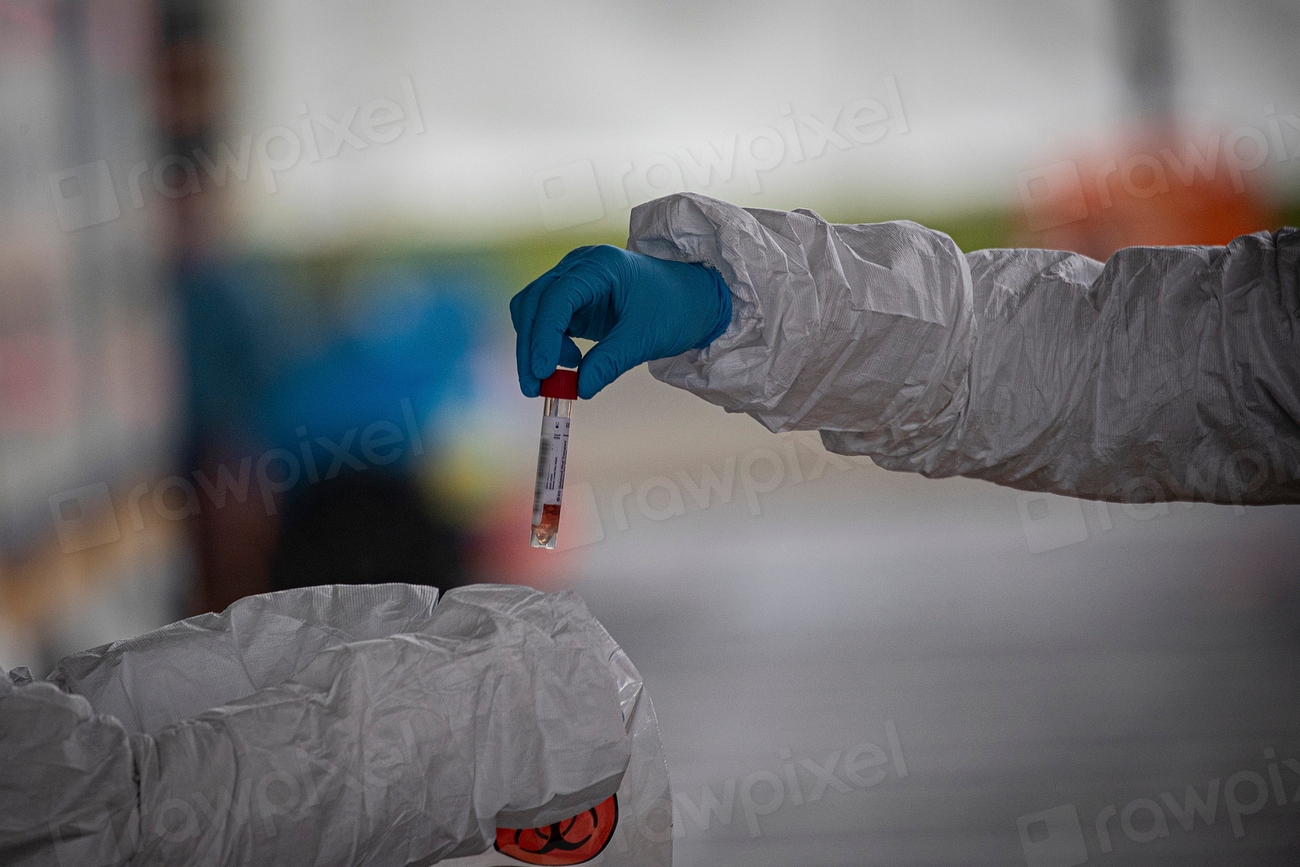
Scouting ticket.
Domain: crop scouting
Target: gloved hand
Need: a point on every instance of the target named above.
(636, 307)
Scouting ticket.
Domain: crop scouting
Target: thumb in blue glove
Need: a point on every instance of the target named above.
(637, 308)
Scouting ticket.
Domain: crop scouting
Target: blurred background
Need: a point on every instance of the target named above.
(254, 265)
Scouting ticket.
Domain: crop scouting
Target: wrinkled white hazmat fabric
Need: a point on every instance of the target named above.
(1167, 373)
(643, 834)
(329, 725)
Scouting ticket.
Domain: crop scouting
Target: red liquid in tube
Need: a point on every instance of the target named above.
(559, 391)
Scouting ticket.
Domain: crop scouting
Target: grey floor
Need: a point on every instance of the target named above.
(1074, 664)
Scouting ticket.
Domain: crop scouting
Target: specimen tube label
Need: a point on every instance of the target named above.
(550, 464)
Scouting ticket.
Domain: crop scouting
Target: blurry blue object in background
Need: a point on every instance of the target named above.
(239, 334)
(319, 402)
(276, 365)
(396, 352)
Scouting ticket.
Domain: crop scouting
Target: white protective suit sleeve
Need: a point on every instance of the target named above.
(330, 725)
(1168, 373)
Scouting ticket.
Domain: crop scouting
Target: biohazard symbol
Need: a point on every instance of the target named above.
(576, 840)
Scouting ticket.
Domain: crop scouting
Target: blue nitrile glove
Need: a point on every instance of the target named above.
(636, 307)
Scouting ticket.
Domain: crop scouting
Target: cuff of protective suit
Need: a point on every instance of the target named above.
(724, 306)
(687, 227)
(736, 369)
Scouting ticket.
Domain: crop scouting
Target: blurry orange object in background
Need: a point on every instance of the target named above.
(1159, 189)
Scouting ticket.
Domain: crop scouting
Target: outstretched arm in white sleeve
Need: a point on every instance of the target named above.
(1166, 373)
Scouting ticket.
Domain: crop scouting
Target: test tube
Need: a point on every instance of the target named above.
(559, 391)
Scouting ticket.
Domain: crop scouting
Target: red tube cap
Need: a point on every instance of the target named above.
(562, 384)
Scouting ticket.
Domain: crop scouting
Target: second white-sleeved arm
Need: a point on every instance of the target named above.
(1167, 373)
(370, 748)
